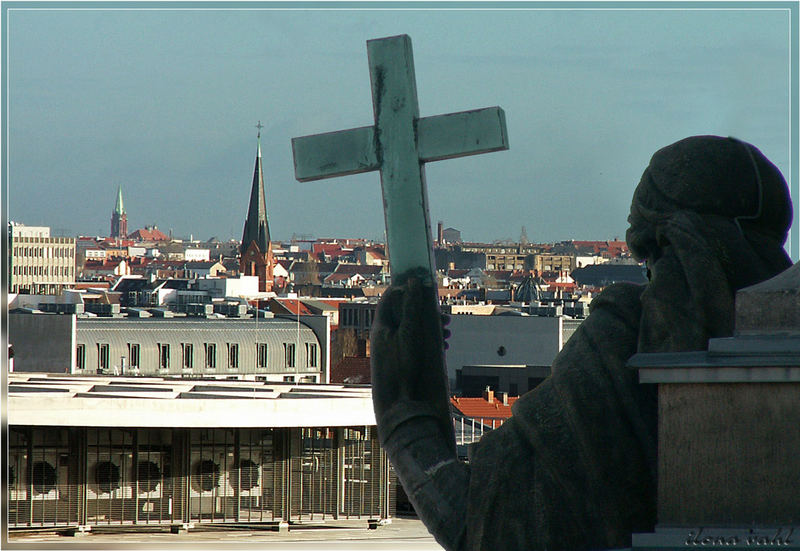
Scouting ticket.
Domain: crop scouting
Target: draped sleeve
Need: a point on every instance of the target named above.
(574, 467)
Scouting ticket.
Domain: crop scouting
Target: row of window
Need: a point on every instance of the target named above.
(43, 270)
(187, 355)
(44, 252)
(351, 317)
(504, 267)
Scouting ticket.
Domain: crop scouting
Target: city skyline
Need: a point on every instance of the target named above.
(164, 103)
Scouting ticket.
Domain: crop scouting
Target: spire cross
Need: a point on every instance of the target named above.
(259, 126)
(398, 145)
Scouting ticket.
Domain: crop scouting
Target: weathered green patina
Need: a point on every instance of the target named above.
(398, 145)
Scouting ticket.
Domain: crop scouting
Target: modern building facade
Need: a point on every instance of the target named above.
(39, 263)
(87, 452)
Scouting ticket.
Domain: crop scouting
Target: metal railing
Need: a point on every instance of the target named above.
(471, 429)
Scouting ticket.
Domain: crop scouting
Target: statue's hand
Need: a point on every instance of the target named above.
(407, 349)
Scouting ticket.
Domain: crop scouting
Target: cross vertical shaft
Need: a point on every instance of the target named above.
(405, 197)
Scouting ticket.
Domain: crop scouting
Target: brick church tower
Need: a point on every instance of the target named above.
(119, 220)
(256, 249)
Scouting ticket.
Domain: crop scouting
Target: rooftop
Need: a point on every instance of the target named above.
(74, 400)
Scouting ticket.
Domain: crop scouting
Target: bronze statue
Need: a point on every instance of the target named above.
(574, 468)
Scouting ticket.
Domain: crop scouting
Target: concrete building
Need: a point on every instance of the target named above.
(38, 263)
(553, 263)
(87, 452)
(271, 349)
(510, 354)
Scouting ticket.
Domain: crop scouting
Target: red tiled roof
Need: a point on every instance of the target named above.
(352, 369)
(114, 242)
(480, 407)
(91, 285)
(330, 301)
(292, 305)
(108, 264)
(338, 277)
(327, 248)
(447, 292)
(149, 235)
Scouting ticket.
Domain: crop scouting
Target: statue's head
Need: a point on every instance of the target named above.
(710, 176)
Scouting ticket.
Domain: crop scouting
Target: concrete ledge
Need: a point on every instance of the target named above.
(705, 374)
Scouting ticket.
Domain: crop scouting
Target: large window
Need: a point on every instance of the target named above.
(163, 356)
(80, 357)
(211, 355)
(289, 353)
(311, 354)
(187, 351)
(262, 355)
(233, 355)
(103, 356)
(133, 354)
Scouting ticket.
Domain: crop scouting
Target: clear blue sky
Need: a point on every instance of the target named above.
(164, 103)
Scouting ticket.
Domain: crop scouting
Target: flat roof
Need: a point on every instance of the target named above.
(109, 401)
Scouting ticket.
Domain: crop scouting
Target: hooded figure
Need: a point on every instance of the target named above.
(575, 467)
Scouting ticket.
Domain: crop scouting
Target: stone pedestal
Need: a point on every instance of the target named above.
(729, 430)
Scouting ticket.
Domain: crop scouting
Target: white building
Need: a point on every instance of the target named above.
(86, 452)
(509, 353)
(38, 263)
(272, 349)
(199, 255)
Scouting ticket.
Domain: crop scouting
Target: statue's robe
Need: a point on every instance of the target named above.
(575, 466)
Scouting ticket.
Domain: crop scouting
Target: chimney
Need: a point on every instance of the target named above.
(503, 397)
(440, 232)
(488, 395)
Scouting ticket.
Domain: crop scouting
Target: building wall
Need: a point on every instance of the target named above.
(63, 343)
(513, 380)
(499, 261)
(553, 263)
(40, 265)
(502, 340)
(42, 342)
(184, 343)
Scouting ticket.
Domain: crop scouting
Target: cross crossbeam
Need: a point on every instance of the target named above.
(398, 145)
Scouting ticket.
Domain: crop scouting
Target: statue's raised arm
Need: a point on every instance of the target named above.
(574, 468)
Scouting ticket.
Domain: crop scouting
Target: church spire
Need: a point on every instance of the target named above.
(256, 250)
(256, 226)
(119, 208)
(119, 220)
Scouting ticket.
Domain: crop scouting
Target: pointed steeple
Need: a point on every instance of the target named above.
(119, 208)
(256, 226)
(119, 220)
